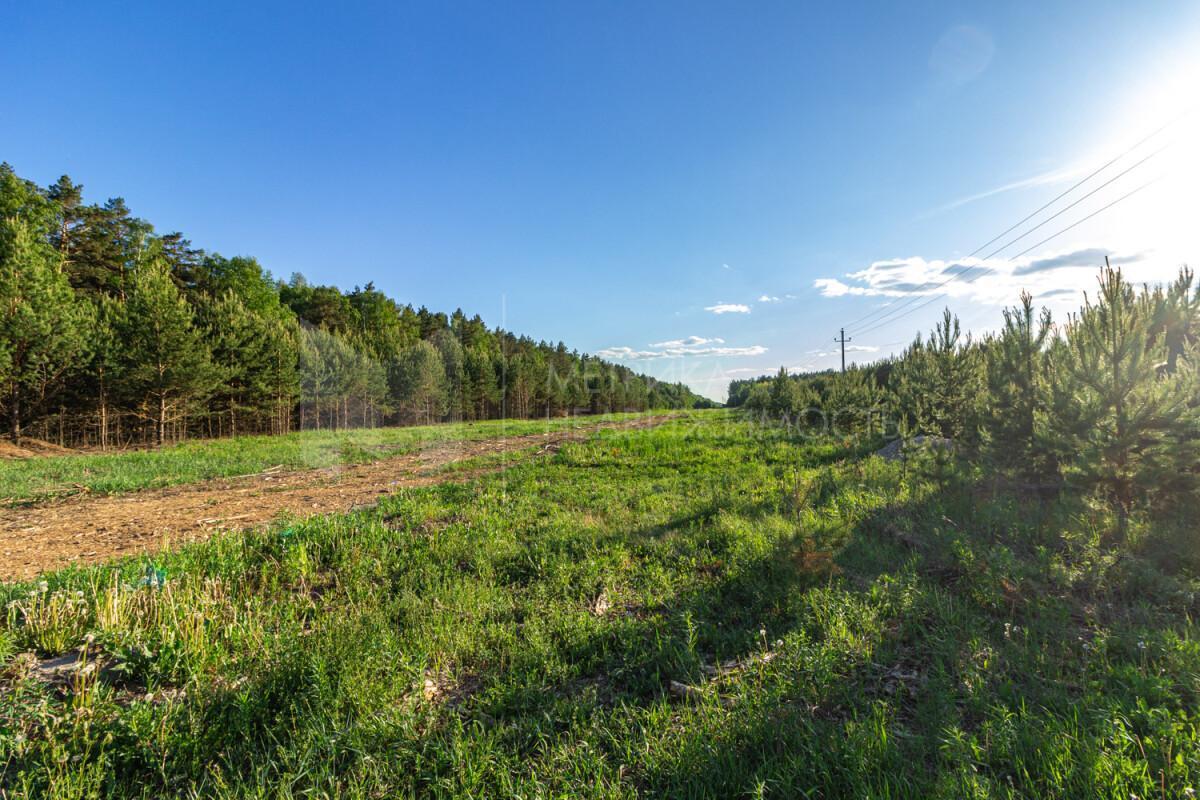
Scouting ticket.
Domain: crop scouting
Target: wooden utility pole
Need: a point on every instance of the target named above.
(842, 341)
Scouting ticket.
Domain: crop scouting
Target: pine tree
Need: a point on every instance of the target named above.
(318, 368)
(240, 355)
(420, 383)
(281, 381)
(481, 391)
(42, 324)
(220, 338)
(1017, 394)
(166, 362)
(106, 359)
(853, 402)
(105, 247)
(453, 368)
(372, 387)
(67, 197)
(1176, 316)
(939, 383)
(785, 399)
(1131, 433)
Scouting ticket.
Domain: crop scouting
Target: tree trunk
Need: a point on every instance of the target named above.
(162, 419)
(14, 417)
(103, 419)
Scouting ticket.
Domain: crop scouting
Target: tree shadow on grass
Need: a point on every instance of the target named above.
(877, 724)
(928, 659)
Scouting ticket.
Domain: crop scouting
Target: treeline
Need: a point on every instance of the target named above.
(112, 334)
(1108, 400)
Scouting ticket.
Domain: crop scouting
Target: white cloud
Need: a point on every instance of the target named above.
(766, 298)
(691, 341)
(850, 348)
(692, 346)
(995, 281)
(832, 287)
(728, 308)
(752, 350)
(1043, 179)
(627, 354)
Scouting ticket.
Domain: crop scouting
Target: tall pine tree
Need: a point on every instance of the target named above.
(41, 323)
(1016, 374)
(166, 363)
(939, 383)
(1131, 431)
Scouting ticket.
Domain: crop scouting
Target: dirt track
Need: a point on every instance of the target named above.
(86, 530)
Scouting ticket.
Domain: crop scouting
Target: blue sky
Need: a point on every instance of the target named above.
(616, 174)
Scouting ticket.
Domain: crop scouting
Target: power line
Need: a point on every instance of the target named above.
(895, 313)
(1082, 181)
(1053, 236)
(989, 270)
(1148, 183)
(1059, 213)
(842, 340)
(929, 284)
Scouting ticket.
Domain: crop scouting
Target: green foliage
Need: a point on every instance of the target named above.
(1108, 402)
(166, 363)
(1016, 417)
(1133, 431)
(251, 352)
(420, 375)
(180, 342)
(939, 382)
(849, 403)
(42, 325)
(840, 627)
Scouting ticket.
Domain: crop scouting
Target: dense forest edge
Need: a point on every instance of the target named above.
(114, 335)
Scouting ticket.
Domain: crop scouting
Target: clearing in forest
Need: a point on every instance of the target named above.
(708, 608)
(82, 528)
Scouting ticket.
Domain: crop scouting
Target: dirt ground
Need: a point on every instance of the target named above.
(31, 448)
(86, 530)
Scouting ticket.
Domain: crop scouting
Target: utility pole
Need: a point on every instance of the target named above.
(842, 341)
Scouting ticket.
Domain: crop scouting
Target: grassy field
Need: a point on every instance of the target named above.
(706, 609)
(33, 479)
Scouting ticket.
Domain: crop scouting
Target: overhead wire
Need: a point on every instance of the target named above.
(917, 293)
(932, 298)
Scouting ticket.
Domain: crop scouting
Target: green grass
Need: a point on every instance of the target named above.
(899, 632)
(34, 479)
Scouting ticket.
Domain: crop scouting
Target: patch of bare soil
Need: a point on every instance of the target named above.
(87, 530)
(31, 448)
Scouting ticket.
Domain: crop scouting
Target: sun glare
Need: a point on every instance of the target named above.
(1165, 214)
